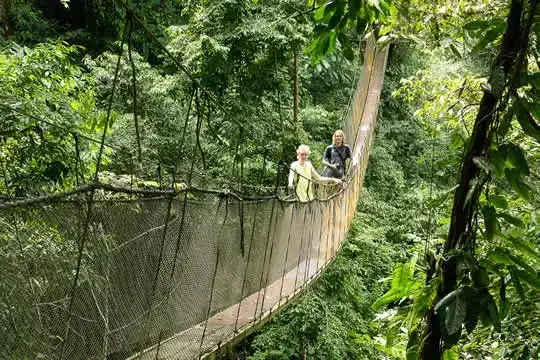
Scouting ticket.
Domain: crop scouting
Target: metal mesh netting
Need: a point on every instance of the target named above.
(168, 277)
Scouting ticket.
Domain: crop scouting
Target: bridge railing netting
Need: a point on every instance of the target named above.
(169, 277)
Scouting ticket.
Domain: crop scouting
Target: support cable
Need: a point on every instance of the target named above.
(266, 250)
(286, 256)
(310, 241)
(244, 281)
(269, 262)
(90, 201)
(134, 85)
(300, 249)
(184, 205)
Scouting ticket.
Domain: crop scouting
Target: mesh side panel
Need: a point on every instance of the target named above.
(36, 277)
(151, 278)
(131, 271)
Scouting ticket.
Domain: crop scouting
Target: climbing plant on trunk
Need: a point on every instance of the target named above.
(464, 305)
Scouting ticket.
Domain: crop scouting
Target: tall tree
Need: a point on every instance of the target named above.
(5, 7)
(456, 292)
(462, 232)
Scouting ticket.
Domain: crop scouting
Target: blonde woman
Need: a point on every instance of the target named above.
(336, 155)
(301, 174)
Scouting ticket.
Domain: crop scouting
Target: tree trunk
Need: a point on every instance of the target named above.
(5, 7)
(296, 88)
(461, 232)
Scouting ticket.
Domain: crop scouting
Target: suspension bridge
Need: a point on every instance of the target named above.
(169, 274)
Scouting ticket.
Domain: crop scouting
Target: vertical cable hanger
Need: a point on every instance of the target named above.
(286, 255)
(199, 126)
(270, 259)
(90, 201)
(77, 159)
(266, 245)
(244, 281)
(184, 202)
(134, 85)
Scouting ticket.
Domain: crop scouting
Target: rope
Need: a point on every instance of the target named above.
(77, 159)
(134, 85)
(264, 259)
(241, 209)
(212, 286)
(247, 268)
(269, 262)
(175, 61)
(310, 237)
(320, 242)
(90, 202)
(182, 220)
(430, 196)
(300, 252)
(109, 106)
(198, 128)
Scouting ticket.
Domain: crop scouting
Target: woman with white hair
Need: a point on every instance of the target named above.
(301, 174)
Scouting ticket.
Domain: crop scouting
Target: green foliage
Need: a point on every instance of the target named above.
(504, 207)
(49, 102)
(241, 52)
(335, 20)
(28, 23)
(336, 315)
(332, 320)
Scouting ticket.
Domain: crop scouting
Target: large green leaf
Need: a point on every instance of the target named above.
(336, 18)
(498, 160)
(480, 277)
(530, 278)
(517, 160)
(498, 201)
(319, 14)
(451, 354)
(481, 24)
(445, 301)
(500, 256)
(493, 33)
(514, 276)
(519, 261)
(491, 311)
(522, 245)
(490, 221)
(354, 8)
(505, 123)
(329, 11)
(403, 285)
(512, 219)
(455, 314)
(525, 119)
(473, 308)
(515, 180)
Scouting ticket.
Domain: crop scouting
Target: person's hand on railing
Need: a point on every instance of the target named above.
(332, 166)
(290, 189)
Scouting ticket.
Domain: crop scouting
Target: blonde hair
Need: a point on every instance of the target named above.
(338, 132)
(303, 148)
